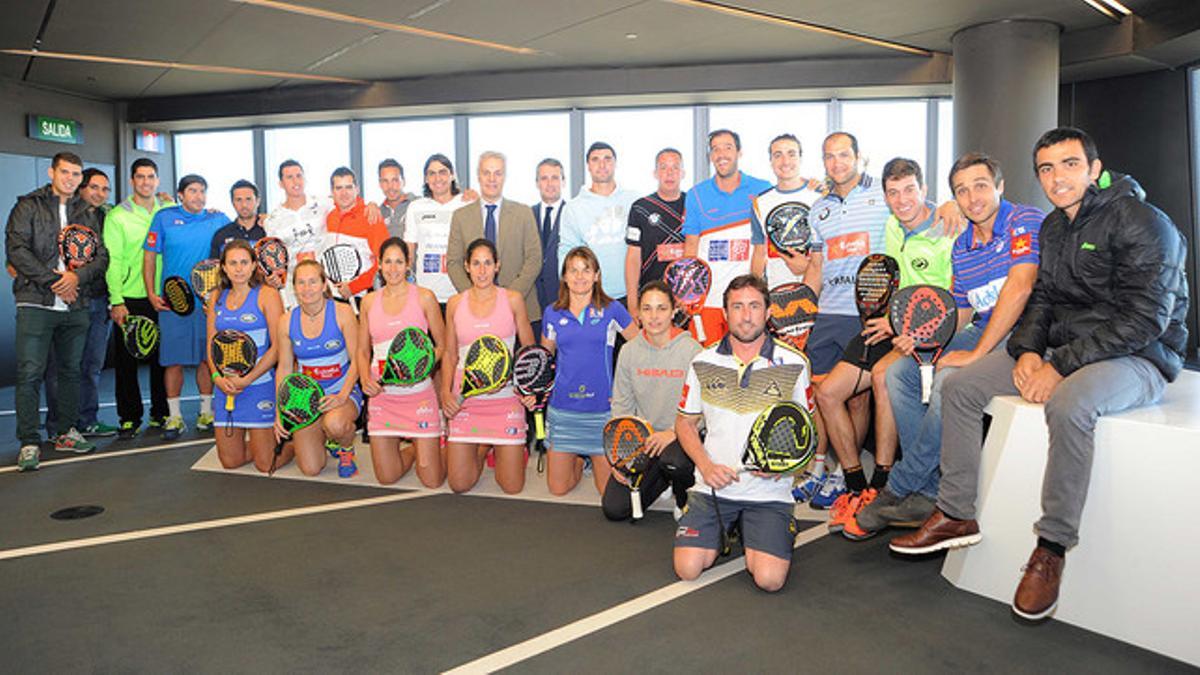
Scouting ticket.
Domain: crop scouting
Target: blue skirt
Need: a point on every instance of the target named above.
(182, 339)
(254, 408)
(577, 432)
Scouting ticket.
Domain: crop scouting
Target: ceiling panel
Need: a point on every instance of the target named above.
(158, 29)
(94, 79)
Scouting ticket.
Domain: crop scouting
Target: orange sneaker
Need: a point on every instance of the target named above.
(847, 506)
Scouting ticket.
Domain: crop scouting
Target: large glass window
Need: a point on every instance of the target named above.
(757, 124)
(945, 151)
(886, 129)
(525, 140)
(409, 142)
(222, 157)
(637, 136)
(319, 149)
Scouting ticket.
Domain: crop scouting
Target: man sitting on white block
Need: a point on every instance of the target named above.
(1102, 332)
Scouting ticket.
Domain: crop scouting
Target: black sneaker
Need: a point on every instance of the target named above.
(128, 430)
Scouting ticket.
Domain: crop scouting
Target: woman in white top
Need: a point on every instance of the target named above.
(427, 226)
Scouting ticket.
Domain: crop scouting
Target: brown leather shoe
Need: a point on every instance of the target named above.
(1037, 594)
(938, 532)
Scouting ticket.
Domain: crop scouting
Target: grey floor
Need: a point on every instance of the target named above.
(433, 582)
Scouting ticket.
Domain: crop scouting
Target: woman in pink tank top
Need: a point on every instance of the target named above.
(395, 412)
(495, 420)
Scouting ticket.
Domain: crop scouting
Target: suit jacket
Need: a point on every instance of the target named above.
(547, 281)
(519, 247)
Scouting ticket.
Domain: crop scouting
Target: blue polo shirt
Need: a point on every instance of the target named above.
(848, 230)
(722, 221)
(981, 268)
(182, 238)
(583, 379)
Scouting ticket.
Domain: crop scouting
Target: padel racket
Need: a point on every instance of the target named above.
(271, 256)
(782, 439)
(343, 264)
(533, 375)
(625, 447)
(234, 354)
(140, 336)
(787, 227)
(77, 244)
(179, 296)
(689, 280)
(206, 276)
(877, 278)
(792, 312)
(928, 315)
(487, 366)
(298, 402)
(410, 358)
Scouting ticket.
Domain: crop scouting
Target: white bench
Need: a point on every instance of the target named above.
(1133, 575)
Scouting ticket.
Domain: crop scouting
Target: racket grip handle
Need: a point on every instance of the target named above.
(635, 500)
(926, 381)
(699, 324)
(539, 424)
(229, 403)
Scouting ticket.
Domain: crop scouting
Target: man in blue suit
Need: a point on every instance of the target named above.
(547, 213)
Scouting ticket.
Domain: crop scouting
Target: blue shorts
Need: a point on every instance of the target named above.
(769, 527)
(254, 408)
(579, 432)
(828, 339)
(182, 338)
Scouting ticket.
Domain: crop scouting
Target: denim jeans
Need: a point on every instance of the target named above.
(39, 330)
(919, 425)
(95, 348)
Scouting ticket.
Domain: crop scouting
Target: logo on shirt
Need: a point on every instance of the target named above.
(333, 344)
(920, 264)
(824, 214)
(660, 372)
(323, 373)
(654, 219)
(684, 396)
(772, 390)
(433, 263)
(152, 239)
(1022, 245)
(247, 318)
(853, 245)
(266, 404)
(733, 250)
(668, 252)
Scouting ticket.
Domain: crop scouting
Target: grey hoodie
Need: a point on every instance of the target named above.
(649, 380)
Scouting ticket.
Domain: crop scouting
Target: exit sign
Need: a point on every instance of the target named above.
(55, 129)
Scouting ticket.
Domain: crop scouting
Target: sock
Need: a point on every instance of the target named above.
(856, 480)
(1054, 547)
(817, 465)
(879, 478)
(173, 407)
(206, 403)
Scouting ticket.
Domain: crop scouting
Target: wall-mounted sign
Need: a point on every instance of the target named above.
(55, 129)
(148, 141)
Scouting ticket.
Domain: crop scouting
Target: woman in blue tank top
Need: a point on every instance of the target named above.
(243, 303)
(314, 339)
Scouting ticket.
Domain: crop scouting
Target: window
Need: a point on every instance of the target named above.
(757, 124)
(319, 149)
(885, 130)
(409, 142)
(940, 190)
(637, 136)
(221, 157)
(525, 140)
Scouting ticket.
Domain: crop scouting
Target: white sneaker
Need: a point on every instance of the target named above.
(835, 486)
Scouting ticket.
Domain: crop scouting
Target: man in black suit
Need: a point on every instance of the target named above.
(547, 213)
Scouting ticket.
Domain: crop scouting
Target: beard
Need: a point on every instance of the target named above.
(747, 334)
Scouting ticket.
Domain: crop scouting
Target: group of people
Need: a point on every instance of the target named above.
(1081, 309)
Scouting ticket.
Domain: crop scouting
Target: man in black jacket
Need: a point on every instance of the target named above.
(52, 308)
(1102, 332)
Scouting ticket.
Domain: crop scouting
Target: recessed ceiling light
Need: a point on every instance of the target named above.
(631, 36)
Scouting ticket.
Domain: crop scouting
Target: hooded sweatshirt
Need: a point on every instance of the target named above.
(649, 380)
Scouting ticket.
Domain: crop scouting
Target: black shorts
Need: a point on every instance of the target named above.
(855, 356)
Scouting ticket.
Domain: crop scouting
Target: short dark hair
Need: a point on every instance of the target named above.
(972, 159)
(847, 134)
(286, 163)
(444, 161)
(746, 281)
(597, 146)
(243, 183)
(89, 174)
(550, 161)
(785, 137)
(68, 157)
(901, 167)
(140, 162)
(340, 172)
(1062, 135)
(656, 285)
(390, 163)
(667, 151)
(737, 140)
(189, 180)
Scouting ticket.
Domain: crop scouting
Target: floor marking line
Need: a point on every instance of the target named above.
(115, 453)
(136, 535)
(590, 624)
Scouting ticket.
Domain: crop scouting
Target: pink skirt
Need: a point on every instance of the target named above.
(491, 421)
(414, 415)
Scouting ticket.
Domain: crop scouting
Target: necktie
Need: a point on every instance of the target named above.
(546, 220)
(489, 224)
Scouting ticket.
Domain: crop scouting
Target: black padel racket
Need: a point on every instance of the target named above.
(787, 227)
(928, 315)
(298, 405)
(625, 447)
(689, 280)
(271, 256)
(343, 264)
(792, 312)
(877, 278)
(234, 354)
(179, 296)
(533, 375)
(77, 244)
(140, 336)
(410, 359)
(206, 276)
(782, 439)
(486, 367)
